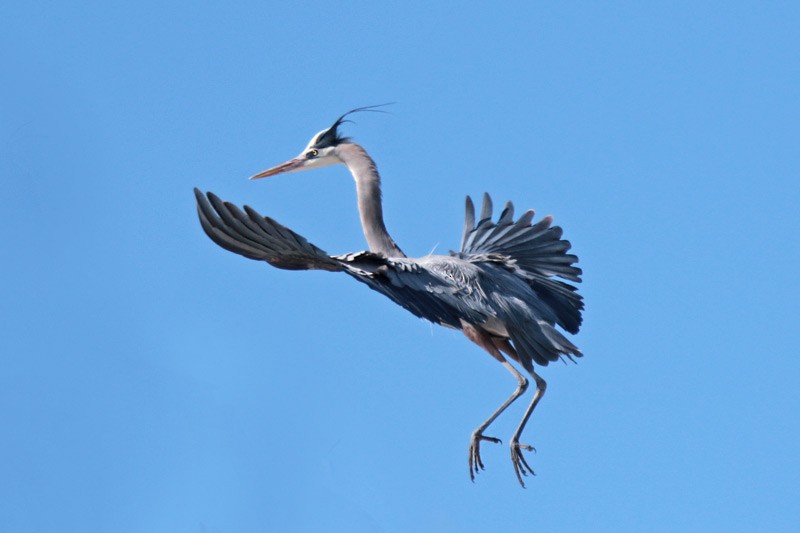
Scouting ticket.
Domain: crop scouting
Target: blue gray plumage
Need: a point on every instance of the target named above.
(502, 274)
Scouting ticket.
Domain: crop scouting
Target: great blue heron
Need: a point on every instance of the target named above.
(499, 289)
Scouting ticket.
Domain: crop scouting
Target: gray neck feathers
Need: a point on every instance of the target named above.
(368, 189)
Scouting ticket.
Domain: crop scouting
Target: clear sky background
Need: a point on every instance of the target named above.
(153, 382)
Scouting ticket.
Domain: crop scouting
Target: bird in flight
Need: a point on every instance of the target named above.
(502, 288)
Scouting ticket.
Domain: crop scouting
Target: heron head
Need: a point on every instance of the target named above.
(320, 151)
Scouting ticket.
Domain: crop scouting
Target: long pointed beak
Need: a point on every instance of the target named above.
(288, 166)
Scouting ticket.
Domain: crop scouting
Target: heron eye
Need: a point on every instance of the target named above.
(312, 153)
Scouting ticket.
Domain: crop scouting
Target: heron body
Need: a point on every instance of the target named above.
(500, 288)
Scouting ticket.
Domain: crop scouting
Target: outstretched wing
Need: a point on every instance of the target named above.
(256, 237)
(537, 250)
(426, 292)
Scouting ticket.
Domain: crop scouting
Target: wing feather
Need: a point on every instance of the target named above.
(535, 249)
(255, 237)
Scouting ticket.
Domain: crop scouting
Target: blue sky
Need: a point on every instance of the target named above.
(152, 381)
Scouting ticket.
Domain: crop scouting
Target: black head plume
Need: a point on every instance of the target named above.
(331, 136)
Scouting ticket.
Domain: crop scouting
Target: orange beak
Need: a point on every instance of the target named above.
(288, 166)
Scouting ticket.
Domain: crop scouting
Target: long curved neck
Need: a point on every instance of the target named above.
(368, 189)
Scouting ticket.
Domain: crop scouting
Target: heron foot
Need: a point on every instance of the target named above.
(475, 463)
(521, 466)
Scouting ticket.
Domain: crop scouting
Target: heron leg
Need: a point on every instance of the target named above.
(475, 462)
(521, 466)
(492, 346)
